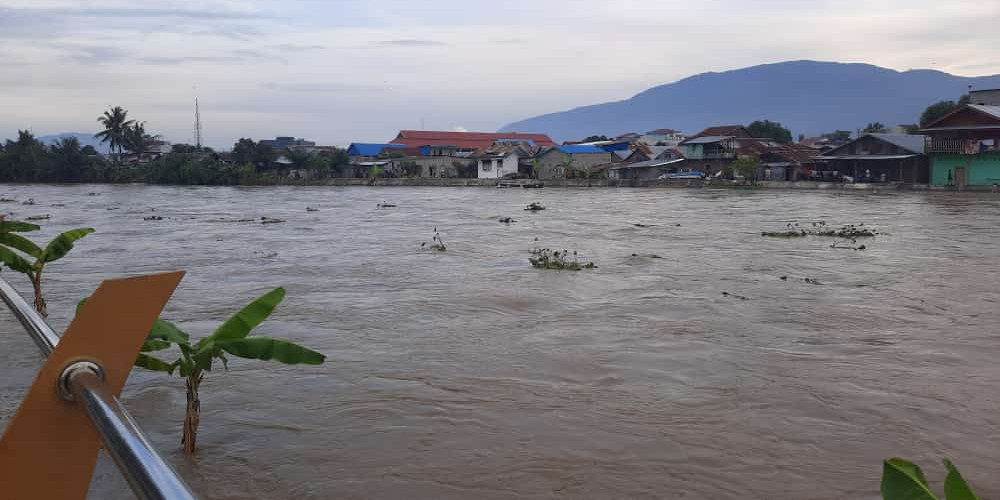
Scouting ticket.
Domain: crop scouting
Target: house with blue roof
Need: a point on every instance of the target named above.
(358, 150)
(557, 161)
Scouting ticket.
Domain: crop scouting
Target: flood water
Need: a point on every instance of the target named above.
(469, 374)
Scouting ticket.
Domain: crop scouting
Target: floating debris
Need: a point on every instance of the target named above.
(847, 231)
(91, 194)
(265, 255)
(58, 204)
(812, 281)
(535, 206)
(39, 217)
(638, 224)
(385, 205)
(153, 217)
(784, 278)
(437, 243)
(507, 220)
(848, 245)
(648, 256)
(733, 295)
(311, 209)
(8, 200)
(270, 220)
(544, 258)
(29, 201)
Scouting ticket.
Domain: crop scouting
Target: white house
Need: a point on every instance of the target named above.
(502, 158)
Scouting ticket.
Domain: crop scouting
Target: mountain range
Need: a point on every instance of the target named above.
(808, 97)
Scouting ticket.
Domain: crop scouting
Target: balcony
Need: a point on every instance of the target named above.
(958, 146)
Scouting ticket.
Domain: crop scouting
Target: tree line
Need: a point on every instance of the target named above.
(131, 159)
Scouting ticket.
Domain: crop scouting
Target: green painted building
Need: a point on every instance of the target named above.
(964, 147)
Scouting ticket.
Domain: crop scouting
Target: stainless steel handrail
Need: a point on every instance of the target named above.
(150, 477)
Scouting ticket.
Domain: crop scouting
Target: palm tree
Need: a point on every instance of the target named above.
(115, 122)
(69, 158)
(136, 139)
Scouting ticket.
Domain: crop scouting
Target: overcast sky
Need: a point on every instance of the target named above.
(359, 70)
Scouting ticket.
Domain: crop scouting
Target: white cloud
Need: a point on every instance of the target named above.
(362, 69)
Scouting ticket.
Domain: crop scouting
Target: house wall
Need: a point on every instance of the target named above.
(551, 163)
(987, 97)
(442, 166)
(507, 165)
(980, 170)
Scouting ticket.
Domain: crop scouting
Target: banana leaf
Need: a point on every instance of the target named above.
(150, 363)
(902, 480)
(165, 330)
(62, 244)
(14, 261)
(241, 323)
(272, 349)
(13, 226)
(955, 487)
(21, 243)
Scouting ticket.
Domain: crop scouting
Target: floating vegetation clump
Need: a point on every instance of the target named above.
(311, 209)
(271, 220)
(8, 200)
(639, 224)
(847, 231)
(735, 296)
(437, 244)
(535, 206)
(39, 217)
(544, 258)
(153, 217)
(385, 205)
(507, 220)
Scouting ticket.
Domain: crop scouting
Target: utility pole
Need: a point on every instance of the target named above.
(197, 125)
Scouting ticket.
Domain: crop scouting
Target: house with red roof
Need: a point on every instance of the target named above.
(465, 142)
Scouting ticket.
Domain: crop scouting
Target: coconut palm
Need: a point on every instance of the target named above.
(136, 140)
(116, 124)
(69, 158)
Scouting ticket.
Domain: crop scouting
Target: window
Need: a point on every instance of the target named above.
(487, 165)
(432, 169)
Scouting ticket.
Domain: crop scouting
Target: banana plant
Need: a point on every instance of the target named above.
(903, 480)
(55, 250)
(233, 338)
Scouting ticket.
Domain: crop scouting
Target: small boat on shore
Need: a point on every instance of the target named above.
(521, 183)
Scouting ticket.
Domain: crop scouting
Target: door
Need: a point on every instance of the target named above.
(960, 177)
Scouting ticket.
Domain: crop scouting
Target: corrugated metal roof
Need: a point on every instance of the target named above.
(908, 142)
(866, 157)
(648, 164)
(578, 149)
(993, 111)
(370, 149)
(623, 154)
(708, 139)
(465, 140)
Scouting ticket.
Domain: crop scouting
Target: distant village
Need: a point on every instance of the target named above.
(955, 149)
(959, 150)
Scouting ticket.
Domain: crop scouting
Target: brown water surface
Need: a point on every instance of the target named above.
(469, 374)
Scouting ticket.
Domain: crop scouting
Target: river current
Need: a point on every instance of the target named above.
(683, 366)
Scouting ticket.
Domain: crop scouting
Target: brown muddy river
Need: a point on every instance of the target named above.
(469, 374)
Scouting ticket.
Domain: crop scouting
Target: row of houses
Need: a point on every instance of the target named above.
(958, 150)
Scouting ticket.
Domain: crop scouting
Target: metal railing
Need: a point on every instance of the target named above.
(150, 477)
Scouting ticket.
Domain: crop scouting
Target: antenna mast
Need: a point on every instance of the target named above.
(197, 124)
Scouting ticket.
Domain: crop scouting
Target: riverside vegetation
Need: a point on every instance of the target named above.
(230, 338)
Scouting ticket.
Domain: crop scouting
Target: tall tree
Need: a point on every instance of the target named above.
(115, 122)
(69, 159)
(243, 151)
(136, 140)
(874, 128)
(770, 130)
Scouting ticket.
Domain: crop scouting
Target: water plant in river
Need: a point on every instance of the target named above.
(535, 206)
(232, 337)
(437, 243)
(903, 480)
(13, 245)
(847, 231)
(544, 258)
